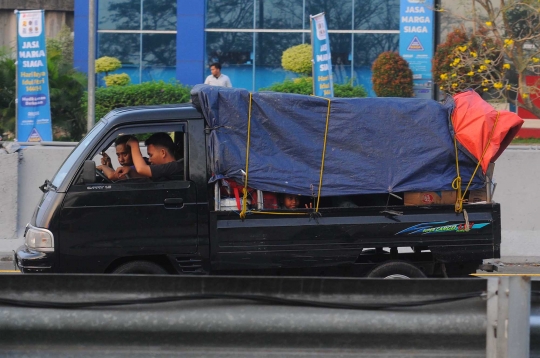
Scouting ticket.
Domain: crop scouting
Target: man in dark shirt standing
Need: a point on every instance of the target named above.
(160, 148)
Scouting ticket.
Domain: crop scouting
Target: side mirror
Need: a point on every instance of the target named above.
(89, 172)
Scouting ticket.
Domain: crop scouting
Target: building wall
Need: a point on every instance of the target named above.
(57, 14)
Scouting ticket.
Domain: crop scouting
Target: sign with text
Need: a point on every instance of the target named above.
(33, 107)
(416, 36)
(322, 60)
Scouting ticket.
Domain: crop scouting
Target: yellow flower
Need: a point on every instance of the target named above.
(525, 95)
(456, 61)
(498, 85)
(485, 89)
(508, 42)
(474, 54)
(444, 76)
(454, 75)
(441, 88)
(487, 61)
(471, 73)
(535, 60)
(462, 48)
(489, 23)
(506, 66)
(454, 85)
(508, 87)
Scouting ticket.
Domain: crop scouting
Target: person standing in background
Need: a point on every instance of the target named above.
(217, 78)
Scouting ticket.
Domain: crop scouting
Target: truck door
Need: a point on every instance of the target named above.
(103, 221)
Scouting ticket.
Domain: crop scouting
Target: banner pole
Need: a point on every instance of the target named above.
(312, 57)
(91, 65)
(16, 76)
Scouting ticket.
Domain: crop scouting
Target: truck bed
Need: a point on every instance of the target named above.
(339, 236)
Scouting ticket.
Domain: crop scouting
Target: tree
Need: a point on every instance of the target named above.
(392, 76)
(67, 87)
(7, 93)
(502, 50)
(457, 66)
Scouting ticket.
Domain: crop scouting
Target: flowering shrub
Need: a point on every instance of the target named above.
(120, 79)
(392, 76)
(107, 64)
(298, 59)
(464, 62)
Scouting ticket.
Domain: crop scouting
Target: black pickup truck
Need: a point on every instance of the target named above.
(86, 223)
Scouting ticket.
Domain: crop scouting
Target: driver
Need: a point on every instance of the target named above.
(123, 153)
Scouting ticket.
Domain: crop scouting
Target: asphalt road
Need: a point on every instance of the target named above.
(7, 267)
(522, 266)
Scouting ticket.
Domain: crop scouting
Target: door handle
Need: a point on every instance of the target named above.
(174, 202)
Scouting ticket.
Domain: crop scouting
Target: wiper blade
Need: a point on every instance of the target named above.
(47, 186)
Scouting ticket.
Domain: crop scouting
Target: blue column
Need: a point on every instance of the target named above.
(80, 53)
(190, 42)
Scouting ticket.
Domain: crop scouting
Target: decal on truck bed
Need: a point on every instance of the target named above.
(436, 227)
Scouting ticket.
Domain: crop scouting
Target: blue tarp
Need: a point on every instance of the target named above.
(374, 145)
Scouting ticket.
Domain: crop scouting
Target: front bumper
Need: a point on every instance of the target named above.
(33, 261)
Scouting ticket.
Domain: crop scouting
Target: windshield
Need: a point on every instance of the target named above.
(72, 158)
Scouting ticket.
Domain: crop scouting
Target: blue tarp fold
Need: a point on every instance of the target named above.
(374, 145)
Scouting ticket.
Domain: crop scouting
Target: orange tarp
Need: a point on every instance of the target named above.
(475, 121)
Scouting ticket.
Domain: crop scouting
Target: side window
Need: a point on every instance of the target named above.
(138, 154)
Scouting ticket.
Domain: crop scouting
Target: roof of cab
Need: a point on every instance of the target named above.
(142, 114)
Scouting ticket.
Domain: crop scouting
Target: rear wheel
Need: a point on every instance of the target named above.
(140, 267)
(396, 270)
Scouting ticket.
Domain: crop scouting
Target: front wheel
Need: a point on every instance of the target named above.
(140, 267)
(396, 270)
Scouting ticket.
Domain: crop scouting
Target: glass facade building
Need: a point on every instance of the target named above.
(178, 39)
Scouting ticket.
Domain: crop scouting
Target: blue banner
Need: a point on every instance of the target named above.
(33, 107)
(416, 36)
(323, 85)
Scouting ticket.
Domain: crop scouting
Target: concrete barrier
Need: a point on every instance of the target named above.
(516, 174)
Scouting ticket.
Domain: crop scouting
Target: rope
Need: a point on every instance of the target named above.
(456, 184)
(275, 213)
(244, 211)
(244, 200)
(323, 155)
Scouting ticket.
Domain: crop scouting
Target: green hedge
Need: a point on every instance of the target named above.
(304, 85)
(147, 93)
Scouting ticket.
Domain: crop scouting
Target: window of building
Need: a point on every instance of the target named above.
(248, 37)
(141, 34)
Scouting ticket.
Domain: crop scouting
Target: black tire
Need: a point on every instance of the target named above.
(140, 267)
(396, 270)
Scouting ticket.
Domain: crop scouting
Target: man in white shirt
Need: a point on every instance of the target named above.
(217, 78)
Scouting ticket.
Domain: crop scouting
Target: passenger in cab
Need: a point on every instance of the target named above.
(163, 164)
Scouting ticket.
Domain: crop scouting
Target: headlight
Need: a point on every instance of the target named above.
(37, 238)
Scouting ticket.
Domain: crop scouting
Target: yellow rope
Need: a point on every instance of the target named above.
(244, 211)
(323, 154)
(277, 213)
(456, 184)
(244, 199)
